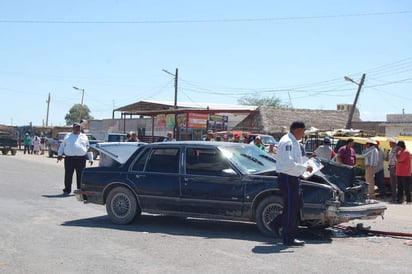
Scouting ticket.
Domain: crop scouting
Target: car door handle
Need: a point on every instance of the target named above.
(140, 176)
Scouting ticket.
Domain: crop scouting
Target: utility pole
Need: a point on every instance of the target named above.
(352, 110)
(47, 114)
(176, 76)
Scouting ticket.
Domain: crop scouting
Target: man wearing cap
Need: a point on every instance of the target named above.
(169, 137)
(391, 158)
(258, 143)
(403, 172)
(290, 167)
(371, 156)
(210, 136)
(75, 147)
(324, 151)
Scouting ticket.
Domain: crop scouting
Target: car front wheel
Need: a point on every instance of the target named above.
(121, 206)
(267, 210)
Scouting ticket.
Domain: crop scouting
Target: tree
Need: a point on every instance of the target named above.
(74, 114)
(256, 100)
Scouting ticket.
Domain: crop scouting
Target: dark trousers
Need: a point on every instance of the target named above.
(380, 182)
(26, 148)
(71, 164)
(403, 186)
(292, 203)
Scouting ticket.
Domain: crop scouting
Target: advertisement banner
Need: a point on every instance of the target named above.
(197, 120)
(160, 121)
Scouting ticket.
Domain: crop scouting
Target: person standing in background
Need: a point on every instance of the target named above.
(403, 172)
(379, 173)
(26, 143)
(346, 154)
(391, 158)
(169, 137)
(371, 156)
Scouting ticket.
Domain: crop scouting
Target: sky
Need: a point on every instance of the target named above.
(118, 52)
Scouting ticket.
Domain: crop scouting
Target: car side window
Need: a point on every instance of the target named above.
(164, 160)
(200, 161)
(141, 161)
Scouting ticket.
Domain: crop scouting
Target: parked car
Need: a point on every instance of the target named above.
(115, 137)
(218, 180)
(52, 144)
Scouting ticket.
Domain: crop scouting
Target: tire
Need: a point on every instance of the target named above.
(4, 151)
(13, 152)
(121, 205)
(267, 210)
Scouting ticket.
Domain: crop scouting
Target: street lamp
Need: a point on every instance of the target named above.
(352, 110)
(81, 102)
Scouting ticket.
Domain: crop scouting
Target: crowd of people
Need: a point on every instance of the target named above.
(34, 144)
(397, 157)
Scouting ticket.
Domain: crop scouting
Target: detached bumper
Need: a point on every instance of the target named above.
(360, 212)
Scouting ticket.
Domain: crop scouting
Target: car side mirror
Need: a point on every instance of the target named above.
(229, 172)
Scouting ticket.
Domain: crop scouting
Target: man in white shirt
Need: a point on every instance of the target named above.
(75, 147)
(324, 151)
(290, 167)
(371, 156)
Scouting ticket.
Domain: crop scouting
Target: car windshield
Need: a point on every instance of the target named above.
(268, 140)
(249, 159)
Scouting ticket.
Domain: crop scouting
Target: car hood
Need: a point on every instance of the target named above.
(117, 151)
(342, 176)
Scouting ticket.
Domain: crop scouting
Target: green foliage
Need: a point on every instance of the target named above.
(256, 100)
(74, 114)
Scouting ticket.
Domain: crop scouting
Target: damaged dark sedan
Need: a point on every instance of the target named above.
(219, 180)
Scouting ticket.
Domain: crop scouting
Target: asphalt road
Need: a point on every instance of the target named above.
(42, 231)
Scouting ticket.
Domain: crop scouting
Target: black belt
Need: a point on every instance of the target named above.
(76, 157)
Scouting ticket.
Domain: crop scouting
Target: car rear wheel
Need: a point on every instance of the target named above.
(121, 206)
(267, 210)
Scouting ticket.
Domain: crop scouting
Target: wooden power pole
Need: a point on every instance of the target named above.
(352, 109)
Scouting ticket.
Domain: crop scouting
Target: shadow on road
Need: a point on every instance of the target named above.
(57, 195)
(202, 228)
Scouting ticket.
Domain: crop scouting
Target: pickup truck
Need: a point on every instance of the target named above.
(54, 143)
(8, 143)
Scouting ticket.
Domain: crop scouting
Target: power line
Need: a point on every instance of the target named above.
(197, 21)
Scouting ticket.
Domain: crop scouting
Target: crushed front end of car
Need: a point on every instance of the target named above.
(344, 197)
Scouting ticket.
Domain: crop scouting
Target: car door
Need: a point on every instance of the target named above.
(156, 178)
(209, 185)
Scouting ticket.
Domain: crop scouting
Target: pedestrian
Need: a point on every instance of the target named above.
(36, 144)
(379, 173)
(371, 156)
(42, 144)
(75, 147)
(210, 136)
(133, 137)
(26, 143)
(236, 137)
(324, 151)
(258, 142)
(169, 137)
(290, 167)
(403, 172)
(346, 153)
(391, 158)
